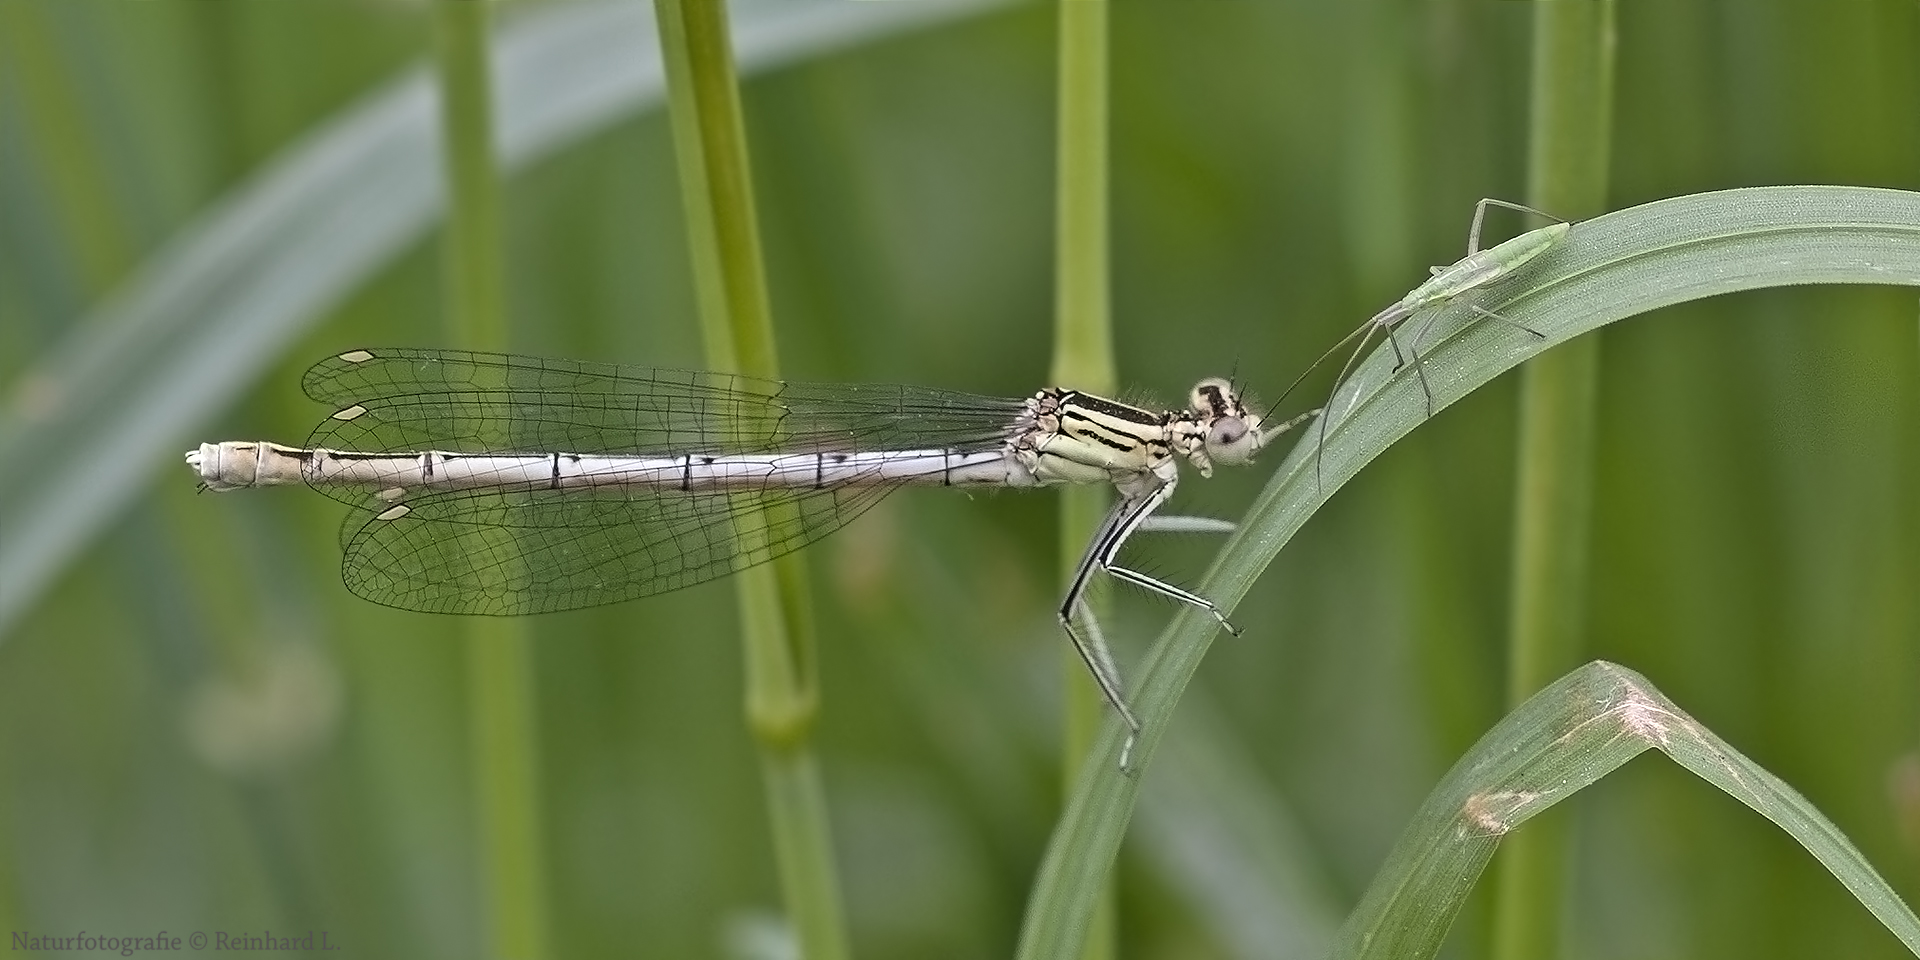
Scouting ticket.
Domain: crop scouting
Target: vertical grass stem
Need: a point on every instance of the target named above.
(776, 621)
(503, 718)
(1083, 349)
(1569, 140)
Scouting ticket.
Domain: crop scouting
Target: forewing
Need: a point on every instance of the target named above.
(509, 551)
(396, 401)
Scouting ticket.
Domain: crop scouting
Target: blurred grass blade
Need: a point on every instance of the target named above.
(1568, 736)
(207, 315)
(1619, 265)
(1221, 836)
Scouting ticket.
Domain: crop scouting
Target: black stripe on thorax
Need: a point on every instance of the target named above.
(1118, 411)
(1126, 444)
(1075, 421)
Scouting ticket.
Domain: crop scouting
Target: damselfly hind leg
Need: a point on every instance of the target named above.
(1098, 657)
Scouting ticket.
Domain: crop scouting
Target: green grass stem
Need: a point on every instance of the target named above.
(503, 712)
(1569, 139)
(506, 762)
(776, 622)
(1083, 349)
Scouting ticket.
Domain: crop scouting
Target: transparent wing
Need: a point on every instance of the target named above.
(533, 551)
(540, 551)
(462, 402)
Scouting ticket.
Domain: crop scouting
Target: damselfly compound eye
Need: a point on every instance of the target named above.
(1233, 441)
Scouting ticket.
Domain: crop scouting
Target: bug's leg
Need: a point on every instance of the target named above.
(1419, 368)
(1092, 646)
(1480, 214)
(1326, 410)
(1517, 325)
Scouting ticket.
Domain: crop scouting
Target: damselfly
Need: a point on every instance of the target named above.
(495, 484)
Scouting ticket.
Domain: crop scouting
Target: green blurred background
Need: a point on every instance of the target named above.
(201, 729)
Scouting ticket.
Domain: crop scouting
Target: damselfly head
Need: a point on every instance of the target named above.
(1233, 434)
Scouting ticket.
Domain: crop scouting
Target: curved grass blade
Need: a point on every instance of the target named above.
(1566, 737)
(1615, 266)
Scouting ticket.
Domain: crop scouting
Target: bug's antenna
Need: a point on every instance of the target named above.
(1284, 394)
